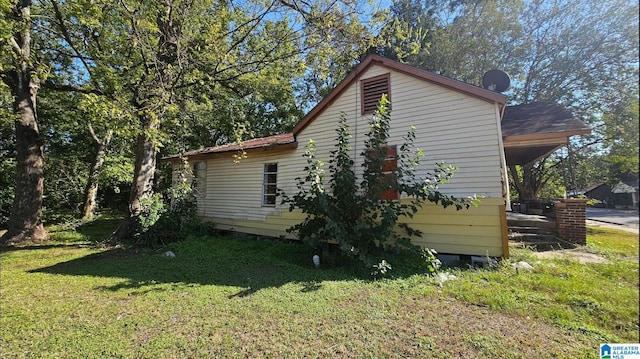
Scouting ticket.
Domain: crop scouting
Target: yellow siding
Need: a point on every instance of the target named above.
(450, 126)
(476, 231)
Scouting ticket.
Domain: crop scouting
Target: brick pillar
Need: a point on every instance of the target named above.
(571, 220)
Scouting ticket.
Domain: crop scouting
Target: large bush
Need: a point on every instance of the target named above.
(353, 215)
(169, 218)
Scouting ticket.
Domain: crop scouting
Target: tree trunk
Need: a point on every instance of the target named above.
(91, 190)
(25, 221)
(142, 186)
(528, 186)
(150, 95)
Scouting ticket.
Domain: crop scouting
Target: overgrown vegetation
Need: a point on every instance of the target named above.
(235, 297)
(169, 218)
(358, 217)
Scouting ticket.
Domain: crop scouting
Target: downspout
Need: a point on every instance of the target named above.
(503, 160)
(504, 225)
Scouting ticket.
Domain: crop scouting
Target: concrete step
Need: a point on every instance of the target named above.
(541, 223)
(535, 230)
(531, 237)
(527, 220)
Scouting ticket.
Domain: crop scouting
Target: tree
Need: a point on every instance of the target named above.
(583, 64)
(19, 71)
(91, 189)
(464, 39)
(144, 56)
(407, 31)
(180, 46)
(165, 61)
(620, 129)
(333, 40)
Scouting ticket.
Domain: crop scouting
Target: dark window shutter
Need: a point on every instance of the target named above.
(389, 166)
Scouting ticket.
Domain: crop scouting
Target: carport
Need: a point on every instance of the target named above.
(532, 131)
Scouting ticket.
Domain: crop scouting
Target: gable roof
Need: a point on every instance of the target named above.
(593, 187)
(372, 60)
(288, 139)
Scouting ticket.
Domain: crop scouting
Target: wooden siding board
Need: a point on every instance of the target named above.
(459, 237)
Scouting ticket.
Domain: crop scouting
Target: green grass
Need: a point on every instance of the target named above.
(234, 297)
(599, 300)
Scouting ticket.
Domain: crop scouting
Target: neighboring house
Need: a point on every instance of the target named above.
(455, 122)
(626, 195)
(601, 192)
(623, 195)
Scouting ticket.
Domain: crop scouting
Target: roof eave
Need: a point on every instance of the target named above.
(201, 154)
(544, 136)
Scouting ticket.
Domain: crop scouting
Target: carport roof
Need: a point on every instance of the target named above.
(533, 130)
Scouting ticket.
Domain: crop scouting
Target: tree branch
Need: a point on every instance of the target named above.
(69, 88)
(67, 37)
(16, 48)
(92, 133)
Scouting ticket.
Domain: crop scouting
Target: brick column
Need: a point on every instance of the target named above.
(571, 220)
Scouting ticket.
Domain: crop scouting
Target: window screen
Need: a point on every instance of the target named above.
(269, 184)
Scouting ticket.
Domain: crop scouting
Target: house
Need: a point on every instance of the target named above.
(455, 122)
(601, 192)
(623, 195)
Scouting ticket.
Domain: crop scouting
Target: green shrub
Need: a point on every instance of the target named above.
(170, 218)
(355, 216)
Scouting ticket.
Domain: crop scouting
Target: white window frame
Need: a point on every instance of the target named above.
(269, 184)
(199, 178)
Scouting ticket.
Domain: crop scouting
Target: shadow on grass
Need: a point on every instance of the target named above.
(71, 235)
(32, 247)
(246, 263)
(98, 230)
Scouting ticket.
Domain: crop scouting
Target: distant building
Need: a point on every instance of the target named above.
(622, 195)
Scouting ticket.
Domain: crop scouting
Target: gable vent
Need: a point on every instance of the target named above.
(372, 90)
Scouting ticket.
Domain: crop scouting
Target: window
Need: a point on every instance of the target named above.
(199, 178)
(269, 184)
(389, 166)
(372, 90)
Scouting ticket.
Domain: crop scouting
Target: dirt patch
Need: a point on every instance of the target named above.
(578, 254)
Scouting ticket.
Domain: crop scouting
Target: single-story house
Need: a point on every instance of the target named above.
(455, 122)
(623, 195)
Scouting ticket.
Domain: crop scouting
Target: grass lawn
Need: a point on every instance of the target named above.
(234, 297)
